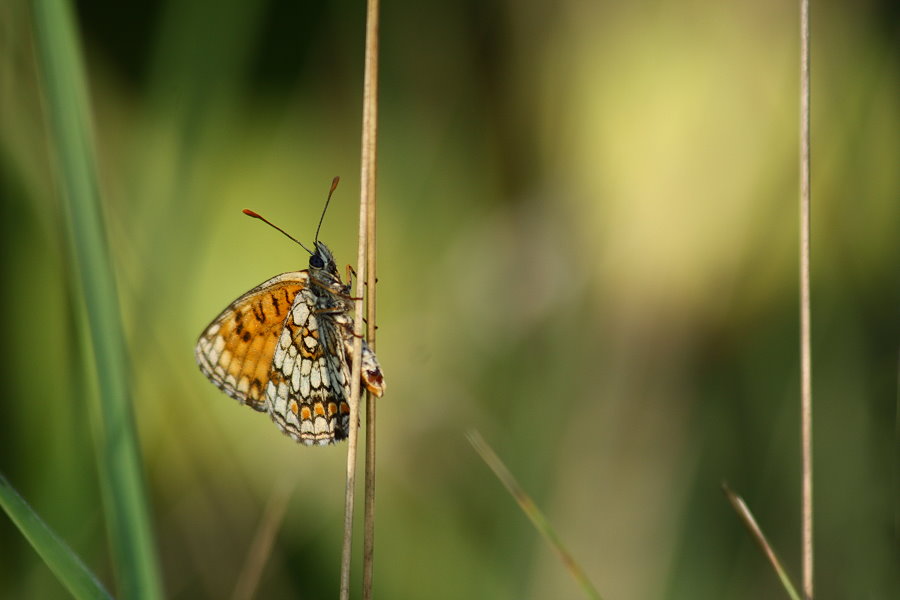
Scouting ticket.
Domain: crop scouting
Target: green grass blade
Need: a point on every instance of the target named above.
(73, 574)
(125, 503)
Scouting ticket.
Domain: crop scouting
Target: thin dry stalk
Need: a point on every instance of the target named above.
(365, 257)
(367, 183)
(354, 412)
(531, 510)
(746, 516)
(261, 547)
(354, 419)
(805, 350)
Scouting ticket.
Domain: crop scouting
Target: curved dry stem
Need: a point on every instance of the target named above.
(538, 519)
(740, 507)
(263, 541)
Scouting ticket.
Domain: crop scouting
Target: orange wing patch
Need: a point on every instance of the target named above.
(235, 351)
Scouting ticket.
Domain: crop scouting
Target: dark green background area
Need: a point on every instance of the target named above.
(587, 251)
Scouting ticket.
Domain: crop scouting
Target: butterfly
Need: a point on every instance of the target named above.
(286, 348)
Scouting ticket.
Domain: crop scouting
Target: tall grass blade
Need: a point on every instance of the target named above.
(66, 97)
(531, 510)
(64, 563)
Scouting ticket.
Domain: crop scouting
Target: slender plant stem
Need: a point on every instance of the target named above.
(368, 178)
(805, 350)
(261, 547)
(747, 517)
(354, 415)
(365, 258)
(538, 519)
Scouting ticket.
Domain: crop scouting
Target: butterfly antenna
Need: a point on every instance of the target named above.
(334, 183)
(255, 215)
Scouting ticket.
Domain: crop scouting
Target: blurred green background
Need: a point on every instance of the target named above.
(587, 251)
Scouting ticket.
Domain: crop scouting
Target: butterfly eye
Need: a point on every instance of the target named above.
(316, 262)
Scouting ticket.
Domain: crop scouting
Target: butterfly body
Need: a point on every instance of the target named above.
(286, 347)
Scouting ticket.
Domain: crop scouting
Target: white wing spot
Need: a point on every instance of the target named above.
(296, 379)
(306, 427)
(304, 382)
(301, 313)
(281, 398)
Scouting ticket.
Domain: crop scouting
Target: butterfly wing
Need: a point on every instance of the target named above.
(308, 385)
(235, 351)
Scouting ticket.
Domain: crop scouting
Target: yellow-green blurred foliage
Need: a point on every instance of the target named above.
(587, 250)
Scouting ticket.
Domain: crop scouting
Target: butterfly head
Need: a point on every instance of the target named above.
(323, 261)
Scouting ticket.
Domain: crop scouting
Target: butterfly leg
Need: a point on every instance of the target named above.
(343, 293)
(332, 310)
(351, 274)
(362, 336)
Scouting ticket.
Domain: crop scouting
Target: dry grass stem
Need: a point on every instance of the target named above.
(531, 511)
(747, 517)
(805, 350)
(365, 259)
(261, 547)
(368, 180)
(354, 419)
